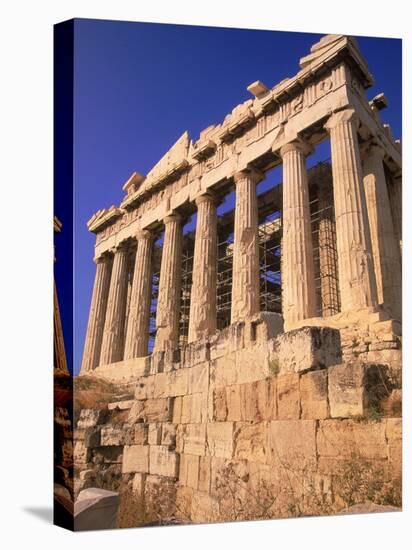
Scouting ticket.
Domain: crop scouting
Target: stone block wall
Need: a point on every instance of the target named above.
(247, 426)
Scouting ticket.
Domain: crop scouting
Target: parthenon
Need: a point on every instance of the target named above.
(321, 248)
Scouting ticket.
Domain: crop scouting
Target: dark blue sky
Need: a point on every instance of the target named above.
(139, 86)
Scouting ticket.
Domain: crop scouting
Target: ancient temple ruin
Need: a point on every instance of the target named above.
(261, 256)
(296, 288)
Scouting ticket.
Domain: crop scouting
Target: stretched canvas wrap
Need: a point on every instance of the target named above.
(227, 274)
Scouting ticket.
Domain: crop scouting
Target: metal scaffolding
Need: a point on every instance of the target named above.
(270, 254)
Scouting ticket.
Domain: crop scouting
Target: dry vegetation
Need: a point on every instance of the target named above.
(91, 392)
(240, 496)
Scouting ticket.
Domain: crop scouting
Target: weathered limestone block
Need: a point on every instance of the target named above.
(252, 364)
(135, 459)
(81, 453)
(314, 395)
(91, 437)
(163, 462)
(224, 371)
(196, 407)
(168, 435)
(195, 353)
(266, 325)
(141, 433)
(199, 378)
(220, 439)
(248, 402)
(110, 435)
(177, 410)
(189, 470)
(195, 439)
(160, 497)
(293, 443)
(186, 412)
(204, 473)
(219, 405)
(157, 410)
(251, 442)
(347, 440)
(107, 455)
(183, 502)
(138, 485)
(205, 509)
(266, 400)
(90, 418)
(178, 382)
(394, 438)
(234, 405)
(226, 340)
(135, 412)
(180, 437)
(307, 348)
(157, 362)
(354, 388)
(288, 397)
(145, 387)
(161, 386)
(120, 405)
(155, 433)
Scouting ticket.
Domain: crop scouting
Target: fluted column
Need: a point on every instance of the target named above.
(386, 254)
(137, 333)
(328, 264)
(395, 197)
(95, 326)
(202, 320)
(245, 280)
(298, 279)
(60, 359)
(356, 274)
(114, 326)
(168, 302)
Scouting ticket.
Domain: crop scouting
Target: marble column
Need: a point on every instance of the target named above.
(95, 326)
(168, 302)
(328, 262)
(395, 198)
(137, 333)
(202, 320)
(245, 279)
(298, 278)
(114, 326)
(60, 359)
(386, 254)
(357, 281)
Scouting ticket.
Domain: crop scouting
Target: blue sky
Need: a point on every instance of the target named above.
(139, 86)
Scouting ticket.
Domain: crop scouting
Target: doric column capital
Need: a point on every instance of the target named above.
(347, 115)
(101, 259)
(144, 234)
(250, 173)
(175, 217)
(206, 197)
(118, 247)
(296, 145)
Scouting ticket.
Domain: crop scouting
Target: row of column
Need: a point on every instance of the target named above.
(368, 258)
